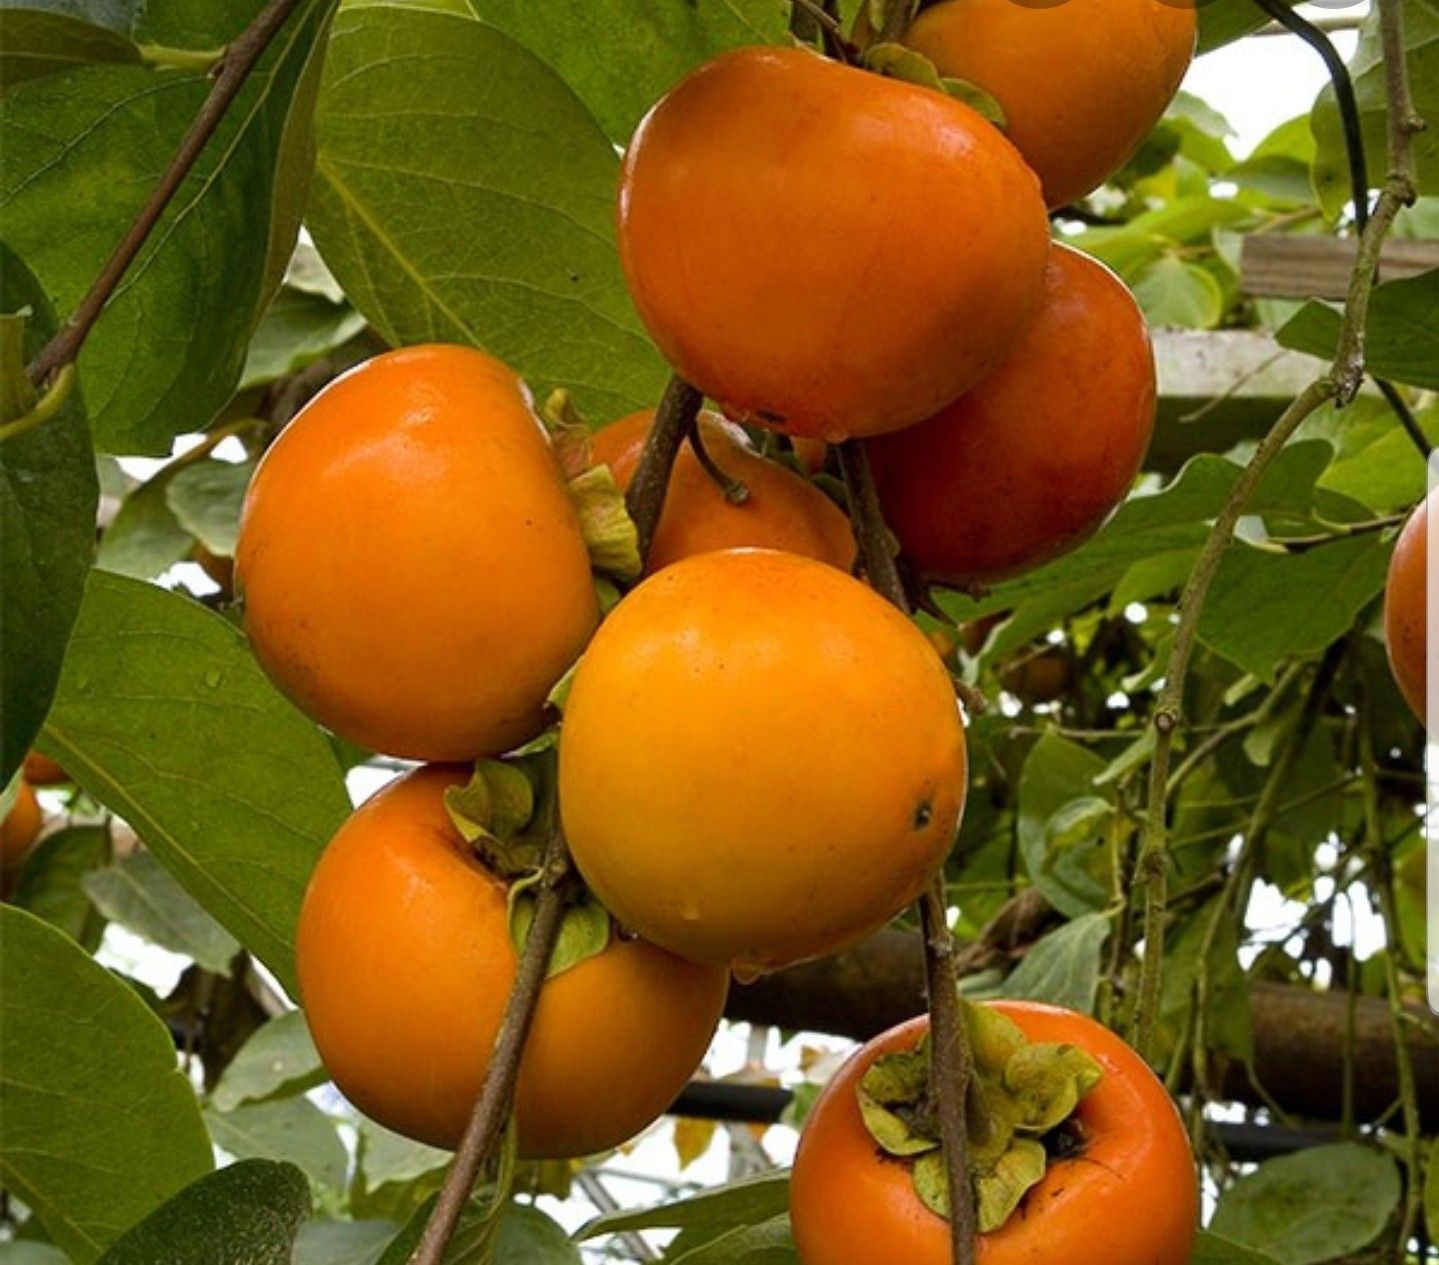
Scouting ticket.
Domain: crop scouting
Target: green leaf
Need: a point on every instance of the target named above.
(431, 123)
(48, 494)
(206, 499)
(1315, 1205)
(298, 328)
(23, 1252)
(94, 1134)
(998, 1192)
(140, 894)
(1074, 878)
(144, 539)
(747, 1202)
(770, 1242)
(1176, 294)
(387, 1158)
(292, 1129)
(1211, 1249)
(1228, 1029)
(85, 149)
(1224, 21)
(619, 56)
(52, 882)
(278, 1060)
(1064, 967)
(342, 1242)
(1268, 607)
(247, 1214)
(37, 42)
(1401, 340)
(164, 716)
(528, 1237)
(1421, 42)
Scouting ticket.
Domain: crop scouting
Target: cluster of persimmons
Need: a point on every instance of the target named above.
(759, 759)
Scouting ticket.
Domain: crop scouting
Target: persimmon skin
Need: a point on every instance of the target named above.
(1081, 83)
(817, 248)
(1031, 462)
(412, 568)
(1130, 1199)
(782, 511)
(41, 770)
(761, 760)
(20, 828)
(405, 966)
(1406, 596)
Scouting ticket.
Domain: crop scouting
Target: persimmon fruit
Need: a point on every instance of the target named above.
(1031, 461)
(406, 962)
(21, 826)
(412, 568)
(1406, 595)
(823, 250)
(41, 770)
(1127, 1197)
(761, 760)
(1081, 83)
(783, 510)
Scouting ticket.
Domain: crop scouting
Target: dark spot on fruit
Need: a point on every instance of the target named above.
(769, 415)
(923, 815)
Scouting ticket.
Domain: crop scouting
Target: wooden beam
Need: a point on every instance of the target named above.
(1284, 266)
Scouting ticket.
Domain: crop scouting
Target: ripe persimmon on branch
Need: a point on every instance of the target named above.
(1338, 385)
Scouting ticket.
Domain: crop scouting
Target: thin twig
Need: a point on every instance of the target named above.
(809, 16)
(1340, 385)
(734, 490)
(235, 66)
(951, 1063)
(678, 408)
(492, 1108)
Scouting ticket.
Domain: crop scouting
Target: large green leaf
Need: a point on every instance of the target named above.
(291, 1129)
(38, 42)
(463, 193)
(1315, 1205)
(48, 493)
(85, 148)
(1064, 967)
(164, 716)
(750, 1202)
(1267, 607)
(1421, 40)
(280, 1059)
(247, 1214)
(94, 1133)
(620, 56)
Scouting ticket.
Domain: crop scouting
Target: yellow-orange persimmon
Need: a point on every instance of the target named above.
(1081, 82)
(1406, 594)
(1128, 1196)
(783, 510)
(1033, 459)
(406, 961)
(824, 250)
(412, 568)
(21, 827)
(761, 759)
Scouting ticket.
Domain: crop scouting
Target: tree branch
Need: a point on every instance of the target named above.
(1340, 385)
(238, 60)
(645, 500)
(951, 1062)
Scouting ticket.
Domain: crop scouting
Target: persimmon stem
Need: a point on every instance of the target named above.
(492, 1108)
(235, 64)
(674, 418)
(951, 1060)
(1338, 385)
(735, 490)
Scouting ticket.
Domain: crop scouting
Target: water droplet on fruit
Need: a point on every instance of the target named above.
(746, 972)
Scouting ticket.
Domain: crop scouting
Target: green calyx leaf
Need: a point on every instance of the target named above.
(490, 810)
(17, 396)
(894, 1101)
(585, 930)
(1046, 1082)
(993, 1037)
(895, 61)
(997, 1193)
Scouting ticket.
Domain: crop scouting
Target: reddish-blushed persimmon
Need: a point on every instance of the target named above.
(406, 961)
(782, 510)
(761, 759)
(1032, 460)
(1128, 1197)
(21, 827)
(1081, 83)
(823, 250)
(41, 770)
(412, 567)
(1406, 595)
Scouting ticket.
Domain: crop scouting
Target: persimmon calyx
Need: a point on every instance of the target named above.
(895, 61)
(1023, 1093)
(585, 929)
(608, 530)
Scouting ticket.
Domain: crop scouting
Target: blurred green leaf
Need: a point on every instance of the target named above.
(37, 42)
(292, 1129)
(342, 1242)
(278, 1060)
(52, 882)
(1075, 877)
(145, 539)
(1179, 295)
(206, 499)
(298, 328)
(749, 1202)
(94, 1134)
(1063, 968)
